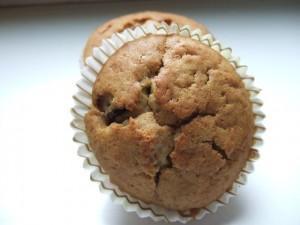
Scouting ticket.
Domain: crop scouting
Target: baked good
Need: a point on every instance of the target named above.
(131, 20)
(171, 122)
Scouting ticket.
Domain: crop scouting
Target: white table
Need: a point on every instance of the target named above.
(41, 177)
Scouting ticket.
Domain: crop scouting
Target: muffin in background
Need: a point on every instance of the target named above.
(132, 20)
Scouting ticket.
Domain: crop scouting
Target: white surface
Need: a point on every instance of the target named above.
(41, 177)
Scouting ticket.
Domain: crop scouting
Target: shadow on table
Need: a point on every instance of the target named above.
(115, 215)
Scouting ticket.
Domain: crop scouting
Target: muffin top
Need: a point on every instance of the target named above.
(171, 121)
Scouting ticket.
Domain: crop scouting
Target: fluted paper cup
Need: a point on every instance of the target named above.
(83, 101)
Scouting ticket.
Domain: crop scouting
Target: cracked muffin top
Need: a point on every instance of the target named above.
(171, 121)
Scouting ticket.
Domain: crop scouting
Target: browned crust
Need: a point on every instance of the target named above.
(172, 123)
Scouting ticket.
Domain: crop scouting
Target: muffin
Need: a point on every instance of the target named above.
(132, 20)
(171, 121)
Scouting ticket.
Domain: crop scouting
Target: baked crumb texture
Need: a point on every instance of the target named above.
(171, 122)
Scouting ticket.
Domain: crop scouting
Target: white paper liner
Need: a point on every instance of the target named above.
(83, 102)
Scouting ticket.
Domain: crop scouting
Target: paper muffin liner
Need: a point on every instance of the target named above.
(83, 102)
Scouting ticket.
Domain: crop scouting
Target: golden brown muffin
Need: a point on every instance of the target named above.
(171, 121)
(131, 20)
